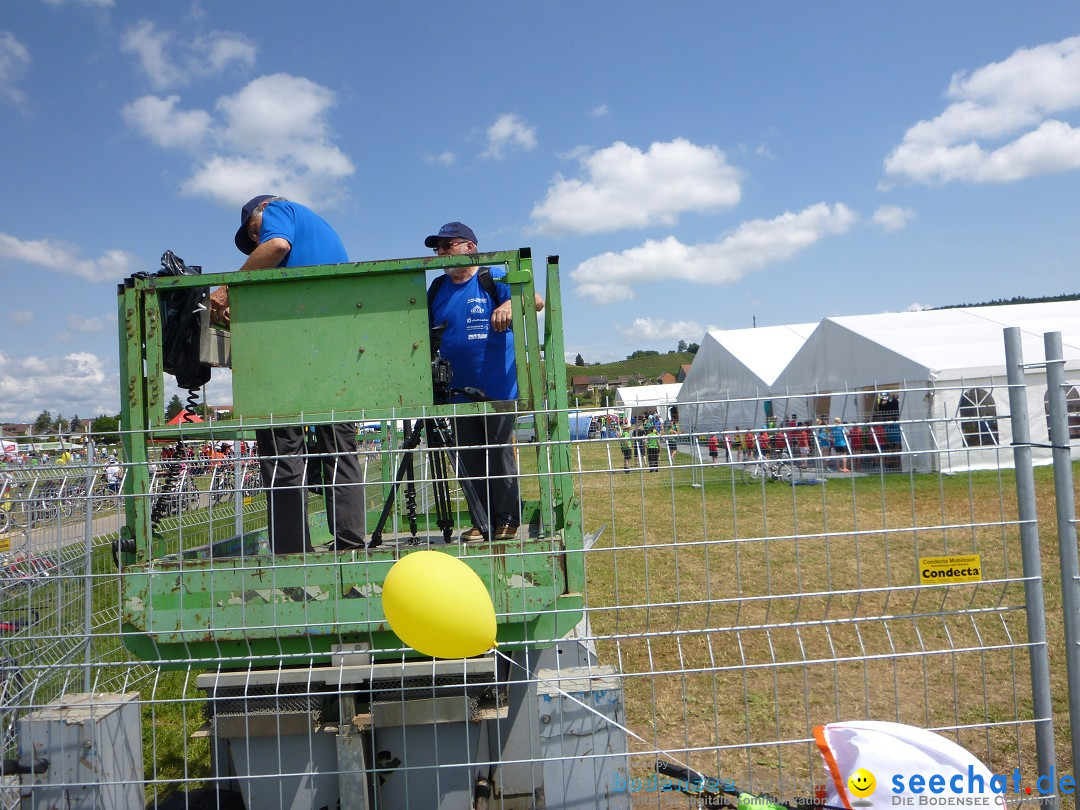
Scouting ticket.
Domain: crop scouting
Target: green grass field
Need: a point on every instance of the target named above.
(741, 616)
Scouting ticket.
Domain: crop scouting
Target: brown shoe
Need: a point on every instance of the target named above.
(471, 535)
(506, 532)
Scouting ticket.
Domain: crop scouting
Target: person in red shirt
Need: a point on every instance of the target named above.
(714, 448)
(802, 443)
(855, 443)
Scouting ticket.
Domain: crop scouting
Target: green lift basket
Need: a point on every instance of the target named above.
(311, 345)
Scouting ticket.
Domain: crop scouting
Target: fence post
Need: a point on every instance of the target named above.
(88, 557)
(1066, 526)
(1035, 606)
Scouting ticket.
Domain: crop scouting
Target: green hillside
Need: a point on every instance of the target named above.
(645, 368)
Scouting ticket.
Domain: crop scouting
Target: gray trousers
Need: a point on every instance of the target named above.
(495, 499)
(283, 464)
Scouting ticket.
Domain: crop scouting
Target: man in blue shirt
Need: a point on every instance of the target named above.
(277, 233)
(479, 345)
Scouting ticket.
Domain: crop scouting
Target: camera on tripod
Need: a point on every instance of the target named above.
(441, 372)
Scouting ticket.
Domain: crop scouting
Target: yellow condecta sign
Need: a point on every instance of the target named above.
(953, 568)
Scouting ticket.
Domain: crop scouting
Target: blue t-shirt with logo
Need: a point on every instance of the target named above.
(479, 356)
(313, 240)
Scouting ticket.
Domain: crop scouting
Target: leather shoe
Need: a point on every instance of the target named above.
(471, 535)
(506, 532)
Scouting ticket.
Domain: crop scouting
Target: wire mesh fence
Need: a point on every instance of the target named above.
(737, 593)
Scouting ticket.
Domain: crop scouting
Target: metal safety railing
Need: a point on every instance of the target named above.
(726, 615)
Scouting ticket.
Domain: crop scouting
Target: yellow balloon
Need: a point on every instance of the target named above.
(438, 606)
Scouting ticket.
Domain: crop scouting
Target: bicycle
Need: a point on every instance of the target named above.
(777, 469)
(7, 503)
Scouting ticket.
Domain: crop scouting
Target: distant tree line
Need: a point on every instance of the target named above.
(1016, 299)
(103, 428)
(683, 347)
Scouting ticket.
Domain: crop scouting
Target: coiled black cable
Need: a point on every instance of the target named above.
(173, 469)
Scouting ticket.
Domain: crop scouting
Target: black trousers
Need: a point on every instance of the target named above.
(283, 465)
(654, 456)
(495, 499)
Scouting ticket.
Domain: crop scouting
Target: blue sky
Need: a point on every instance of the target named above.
(695, 165)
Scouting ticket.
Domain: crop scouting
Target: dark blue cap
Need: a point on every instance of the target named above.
(243, 243)
(451, 230)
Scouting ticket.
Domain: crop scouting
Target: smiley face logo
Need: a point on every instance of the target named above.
(862, 783)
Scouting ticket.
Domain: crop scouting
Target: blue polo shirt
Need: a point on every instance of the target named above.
(313, 240)
(479, 356)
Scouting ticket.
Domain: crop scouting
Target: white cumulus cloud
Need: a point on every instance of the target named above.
(63, 257)
(168, 62)
(160, 122)
(445, 158)
(271, 136)
(14, 62)
(75, 383)
(509, 131)
(77, 323)
(893, 217)
(623, 187)
(659, 329)
(1000, 124)
(752, 246)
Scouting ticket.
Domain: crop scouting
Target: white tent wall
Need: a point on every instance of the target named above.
(636, 400)
(732, 372)
(931, 359)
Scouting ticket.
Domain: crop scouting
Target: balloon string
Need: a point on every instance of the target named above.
(588, 708)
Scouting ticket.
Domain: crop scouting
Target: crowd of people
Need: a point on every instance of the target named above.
(642, 439)
(839, 446)
(28, 456)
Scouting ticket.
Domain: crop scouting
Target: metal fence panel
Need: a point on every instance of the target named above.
(732, 604)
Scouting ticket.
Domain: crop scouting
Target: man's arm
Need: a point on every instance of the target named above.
(501, 318)
(268, 254)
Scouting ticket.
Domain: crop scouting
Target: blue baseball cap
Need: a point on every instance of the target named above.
(451, 230)
(243, 243)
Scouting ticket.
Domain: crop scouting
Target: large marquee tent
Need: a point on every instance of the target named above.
(939, 373)
(637, 400)
(728, 384)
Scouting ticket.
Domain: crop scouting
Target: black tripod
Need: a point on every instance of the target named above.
(440, 442)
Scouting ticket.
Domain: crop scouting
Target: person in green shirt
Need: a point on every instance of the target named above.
(652, 447)
(672, 433)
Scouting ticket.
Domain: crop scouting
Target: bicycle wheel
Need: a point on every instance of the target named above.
(788, 473)
(222, 487)
(5, 519)
(753, 473)
(11, 685)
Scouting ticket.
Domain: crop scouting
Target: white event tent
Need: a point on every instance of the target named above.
(946, 371)
(639, 399)
(732, 374)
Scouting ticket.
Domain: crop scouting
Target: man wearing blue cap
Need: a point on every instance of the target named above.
(479, 346)
(275, 232)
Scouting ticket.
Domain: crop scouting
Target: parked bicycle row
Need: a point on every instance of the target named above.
(19, 571)
(184, 486)
(32, 497)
